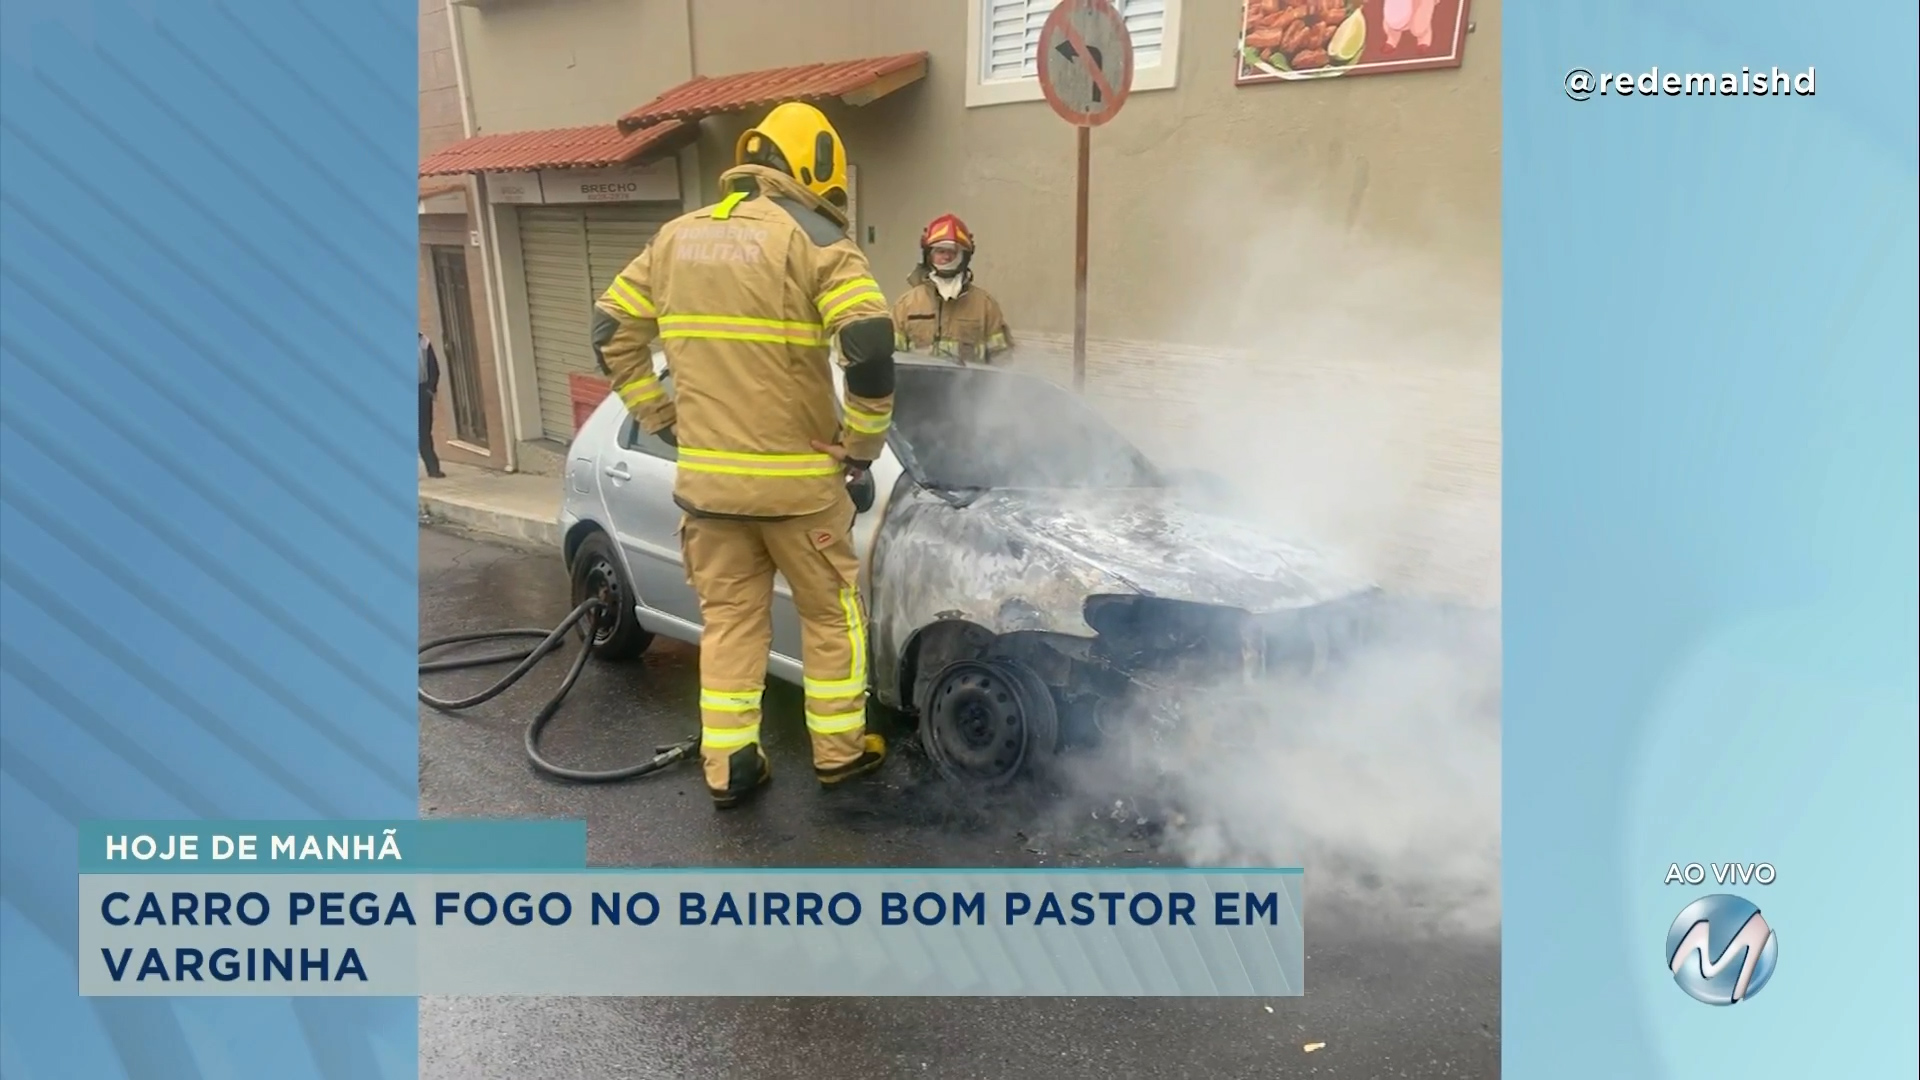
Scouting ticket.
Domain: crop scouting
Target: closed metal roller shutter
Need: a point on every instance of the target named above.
(570, 254)
(553, 249)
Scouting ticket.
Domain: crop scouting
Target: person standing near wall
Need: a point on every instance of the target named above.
(429, 387)
(945, 313)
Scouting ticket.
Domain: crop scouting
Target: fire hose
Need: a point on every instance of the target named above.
(591, 612)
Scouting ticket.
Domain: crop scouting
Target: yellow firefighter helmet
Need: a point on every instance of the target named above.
(796, 139)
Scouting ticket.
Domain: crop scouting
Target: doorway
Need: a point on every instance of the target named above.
(457, 346)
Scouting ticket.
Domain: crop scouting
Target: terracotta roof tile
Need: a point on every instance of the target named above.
(558, 148)
(431, 188)
(705, 95)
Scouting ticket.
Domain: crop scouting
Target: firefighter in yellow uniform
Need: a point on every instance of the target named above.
(747, 298)
(945, 313)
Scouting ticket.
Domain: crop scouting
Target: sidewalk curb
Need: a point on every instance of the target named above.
(478, 517)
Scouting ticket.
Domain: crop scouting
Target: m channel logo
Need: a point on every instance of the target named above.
(1721, 950)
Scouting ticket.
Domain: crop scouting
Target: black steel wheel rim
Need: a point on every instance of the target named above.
(599, 578)
(980, 729)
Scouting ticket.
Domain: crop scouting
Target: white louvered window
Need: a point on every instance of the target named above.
(1009, 40)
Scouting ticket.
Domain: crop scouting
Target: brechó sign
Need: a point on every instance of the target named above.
(657, 181)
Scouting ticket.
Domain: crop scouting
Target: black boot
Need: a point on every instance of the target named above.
(747, 772)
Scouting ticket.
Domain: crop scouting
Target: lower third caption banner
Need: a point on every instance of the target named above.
(1196, 933)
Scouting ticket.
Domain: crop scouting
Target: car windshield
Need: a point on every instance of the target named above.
(971, 428)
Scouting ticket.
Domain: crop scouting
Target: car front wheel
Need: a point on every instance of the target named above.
(984, 722)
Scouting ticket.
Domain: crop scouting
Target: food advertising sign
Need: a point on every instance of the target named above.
(1290, 40)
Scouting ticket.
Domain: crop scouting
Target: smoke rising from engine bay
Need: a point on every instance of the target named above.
(1370, 432)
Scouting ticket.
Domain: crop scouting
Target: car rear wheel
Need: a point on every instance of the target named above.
(597, 573)
(984, 722)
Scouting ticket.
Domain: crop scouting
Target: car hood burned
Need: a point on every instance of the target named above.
(1028, 560)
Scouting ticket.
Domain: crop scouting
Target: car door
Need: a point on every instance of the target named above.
(637, 476)
(884, 476)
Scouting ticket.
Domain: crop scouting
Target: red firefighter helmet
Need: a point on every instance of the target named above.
(947, 228)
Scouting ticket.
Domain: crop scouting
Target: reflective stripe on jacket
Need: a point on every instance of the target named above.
(747, 298)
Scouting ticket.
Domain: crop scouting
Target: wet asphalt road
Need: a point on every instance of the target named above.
(1387, 1001)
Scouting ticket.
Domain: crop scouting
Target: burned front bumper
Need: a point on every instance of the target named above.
(1311, 641)
(1156, 662)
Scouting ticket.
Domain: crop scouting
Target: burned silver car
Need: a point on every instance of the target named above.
(1030, 576)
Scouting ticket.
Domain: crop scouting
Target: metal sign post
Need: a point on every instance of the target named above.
(1086, 72)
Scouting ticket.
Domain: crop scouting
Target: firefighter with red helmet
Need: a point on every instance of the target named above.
(945, 313)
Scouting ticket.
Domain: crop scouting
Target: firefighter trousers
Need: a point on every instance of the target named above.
(730, 564)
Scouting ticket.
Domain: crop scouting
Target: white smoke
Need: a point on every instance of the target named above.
(1381, 778)
(1353, 407)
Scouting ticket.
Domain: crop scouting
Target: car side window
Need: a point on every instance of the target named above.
(633, 438)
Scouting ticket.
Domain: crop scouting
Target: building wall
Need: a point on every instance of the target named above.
(562, 63)
(449, 223)
(439, 84)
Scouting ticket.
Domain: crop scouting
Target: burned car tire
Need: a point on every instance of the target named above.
(1043, 713)
(985, 722)
(597, 572)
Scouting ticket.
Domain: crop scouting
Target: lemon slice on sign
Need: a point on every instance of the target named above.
(1349, 39)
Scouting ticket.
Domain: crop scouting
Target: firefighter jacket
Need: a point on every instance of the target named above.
(968, 327)
(747, 298)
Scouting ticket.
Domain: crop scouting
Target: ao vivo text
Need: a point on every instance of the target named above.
(1730, 873)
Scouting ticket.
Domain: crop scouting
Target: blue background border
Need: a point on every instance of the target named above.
(209, 502)
(1709, 397)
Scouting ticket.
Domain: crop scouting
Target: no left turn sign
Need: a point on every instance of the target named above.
(1086, 61)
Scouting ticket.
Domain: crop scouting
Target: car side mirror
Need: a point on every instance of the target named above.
(863, 491)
